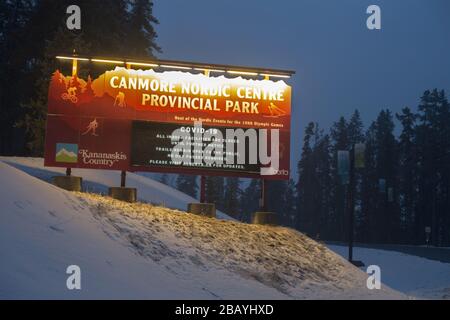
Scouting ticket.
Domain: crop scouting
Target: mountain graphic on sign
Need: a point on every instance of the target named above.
(66, 156)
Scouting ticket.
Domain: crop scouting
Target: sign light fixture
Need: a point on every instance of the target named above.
(108, 61)
(247, 73)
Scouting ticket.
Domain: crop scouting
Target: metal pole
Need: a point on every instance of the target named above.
(123, 176)
(202, 189)
(203, 178)
(263, 203)
(350, 205)
(74, 73)
(74, 67)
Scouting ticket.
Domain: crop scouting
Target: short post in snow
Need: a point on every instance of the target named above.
(68, 182)
(202, 189)
(123, 177)
(263, 216)
(202, 208)
(123, 193)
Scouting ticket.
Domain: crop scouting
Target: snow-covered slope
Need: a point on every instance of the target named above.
(98, 181)
(144, 251)
(415, 276)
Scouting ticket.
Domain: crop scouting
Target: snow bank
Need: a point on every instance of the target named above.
(145, 251)
(98, 181)
(44, 229)
(278, 257)
(415, 276)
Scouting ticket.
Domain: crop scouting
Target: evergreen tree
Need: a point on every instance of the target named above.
(340, 141)
(306, 180)
(433, 152)
(386, 166)
(369, 190)
(187, 184)
(427, 171)
(355, 133)
(14, 88)
(214, 191)
(288, 214)
(141, 18)
(407, 174)
(323, 222)
(232, 197)
(33, 121)
(250, 199)
(314, 185)
(110, 37)
(275, 196)
(355, 129)
(35, 31)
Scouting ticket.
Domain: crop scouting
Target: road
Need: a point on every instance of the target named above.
(432, 253)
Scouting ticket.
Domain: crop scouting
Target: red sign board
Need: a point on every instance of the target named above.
(137, 120)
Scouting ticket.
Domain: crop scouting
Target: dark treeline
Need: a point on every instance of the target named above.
(414, 168)
(33, 32)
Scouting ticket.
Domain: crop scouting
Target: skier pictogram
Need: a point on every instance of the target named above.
(92, 127)
(120, 100)
(275, 111)
(71, 95)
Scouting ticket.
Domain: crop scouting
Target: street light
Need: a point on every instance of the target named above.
(348, 161)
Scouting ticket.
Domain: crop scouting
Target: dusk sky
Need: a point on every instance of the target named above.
(340, 65)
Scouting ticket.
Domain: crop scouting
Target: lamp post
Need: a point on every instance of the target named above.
(348, 162)
(350, 204)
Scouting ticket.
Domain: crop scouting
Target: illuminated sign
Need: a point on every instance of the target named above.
(143, 120)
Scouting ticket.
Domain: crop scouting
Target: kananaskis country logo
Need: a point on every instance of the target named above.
(101, 158)
(67, 152)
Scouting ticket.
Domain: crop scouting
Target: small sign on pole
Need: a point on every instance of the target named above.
(427, 233)
(360, 148)
(343, 157)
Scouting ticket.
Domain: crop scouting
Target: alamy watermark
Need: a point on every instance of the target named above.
(373, 22)
(73, 21)
(73, 282)
(374, 279)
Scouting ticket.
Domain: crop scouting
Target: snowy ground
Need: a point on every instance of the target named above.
(147, 251)
(415, 276)
(98, 181)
